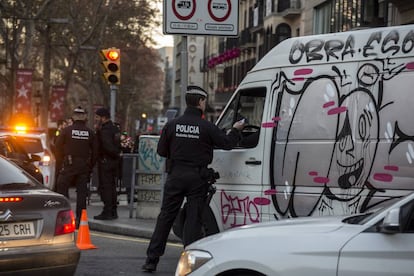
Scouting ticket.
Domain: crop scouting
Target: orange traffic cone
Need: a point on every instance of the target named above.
(84, 239)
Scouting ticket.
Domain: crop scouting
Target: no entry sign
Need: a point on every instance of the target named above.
(202, 17)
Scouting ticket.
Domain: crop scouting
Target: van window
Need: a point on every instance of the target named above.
(247, 105)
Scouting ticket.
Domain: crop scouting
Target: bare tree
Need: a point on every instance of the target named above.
(61, 41)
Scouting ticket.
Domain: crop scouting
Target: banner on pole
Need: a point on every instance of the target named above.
(57, 103)
(23, 100)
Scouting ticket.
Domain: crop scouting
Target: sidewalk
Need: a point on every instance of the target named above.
(124, 225)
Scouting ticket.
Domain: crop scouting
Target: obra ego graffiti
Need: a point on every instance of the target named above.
(378, 43)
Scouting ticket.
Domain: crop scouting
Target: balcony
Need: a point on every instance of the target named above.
(289, 8)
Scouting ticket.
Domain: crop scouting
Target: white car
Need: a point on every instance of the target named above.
(377, 244)
(35, 141)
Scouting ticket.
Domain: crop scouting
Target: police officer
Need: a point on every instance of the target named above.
(109, 139)
(78, 148)
(187, 142)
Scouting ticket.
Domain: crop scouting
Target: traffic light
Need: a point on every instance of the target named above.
(112, 65)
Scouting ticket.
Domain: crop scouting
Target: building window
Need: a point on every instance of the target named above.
(283, 5)
(283, 31)
(322, 18)
(344, 15)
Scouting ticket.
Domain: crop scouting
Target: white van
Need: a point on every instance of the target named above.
(330, 129)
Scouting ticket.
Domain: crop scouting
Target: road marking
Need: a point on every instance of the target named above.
(125, 238)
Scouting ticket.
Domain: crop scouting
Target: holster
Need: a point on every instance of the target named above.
(68, 161)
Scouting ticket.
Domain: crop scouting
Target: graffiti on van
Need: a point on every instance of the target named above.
(378, 43)
(238, 211)
(353, 111)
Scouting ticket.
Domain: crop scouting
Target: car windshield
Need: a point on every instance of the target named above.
(12, 177)
(31, 145)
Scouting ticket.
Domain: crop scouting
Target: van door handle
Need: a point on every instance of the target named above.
(253, 162)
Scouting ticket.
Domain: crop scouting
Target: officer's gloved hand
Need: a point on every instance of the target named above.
(239, 125)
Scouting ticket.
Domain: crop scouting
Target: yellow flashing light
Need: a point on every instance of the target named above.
(20, 129)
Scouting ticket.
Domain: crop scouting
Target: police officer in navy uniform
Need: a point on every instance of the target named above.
(187, 142)
(77, 147)
(109, 139)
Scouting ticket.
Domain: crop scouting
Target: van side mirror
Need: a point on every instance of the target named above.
(391, 223)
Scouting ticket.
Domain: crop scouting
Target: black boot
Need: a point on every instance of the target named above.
(104, 216)
(150, 265)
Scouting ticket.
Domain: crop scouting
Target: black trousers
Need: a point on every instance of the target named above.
(107, 174)
(76, 175)
(182, 182)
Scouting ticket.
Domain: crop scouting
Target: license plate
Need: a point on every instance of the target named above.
(17, 230)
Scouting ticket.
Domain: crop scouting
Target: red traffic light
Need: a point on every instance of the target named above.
(112, 55)
(112, 65)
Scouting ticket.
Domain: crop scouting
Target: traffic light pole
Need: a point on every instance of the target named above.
(114, 89)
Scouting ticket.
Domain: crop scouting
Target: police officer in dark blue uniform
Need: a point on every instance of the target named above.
(77, 147)
(187, 142)
(109, 138)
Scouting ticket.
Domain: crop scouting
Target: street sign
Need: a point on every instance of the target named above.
(201, 17)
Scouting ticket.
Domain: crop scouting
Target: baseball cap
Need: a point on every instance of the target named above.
(196, 90)
(102, 112)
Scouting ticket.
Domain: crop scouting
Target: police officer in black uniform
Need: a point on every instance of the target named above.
(109, 137)
(187, 142)
(77, 147)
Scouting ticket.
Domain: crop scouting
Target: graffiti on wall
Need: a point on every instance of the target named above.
(359, 112)
(149, 160)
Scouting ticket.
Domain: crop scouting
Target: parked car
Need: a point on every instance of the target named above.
(376, 243)
(14, 152)
(37, 227)
(35, 142)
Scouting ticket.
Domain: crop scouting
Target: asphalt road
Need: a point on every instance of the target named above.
(123, 255)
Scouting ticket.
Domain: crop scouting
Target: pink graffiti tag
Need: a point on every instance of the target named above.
(328, 104)
(298, 79)
(337, 110)
(384, 177)
(410, 66)
(238, 211)
(304, 71)
(313, 173)
(270, 192)
(261, 201)
(269, 124)
(391, 168)
(321, 179)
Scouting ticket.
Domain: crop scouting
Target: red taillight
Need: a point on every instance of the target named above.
(11, 199)
(65, 223)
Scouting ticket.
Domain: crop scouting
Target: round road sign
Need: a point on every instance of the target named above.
(219, 10)
(184, 9)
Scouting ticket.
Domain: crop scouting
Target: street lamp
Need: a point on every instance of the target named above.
(37, 98)
(144, 121)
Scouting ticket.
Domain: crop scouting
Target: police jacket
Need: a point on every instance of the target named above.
(109, 138)
(78, 141)
(190, 139)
